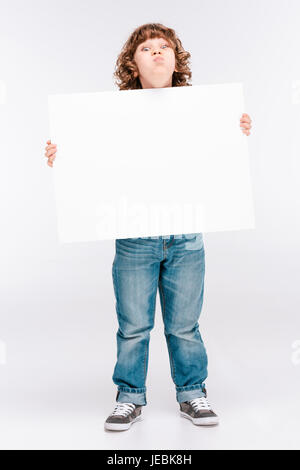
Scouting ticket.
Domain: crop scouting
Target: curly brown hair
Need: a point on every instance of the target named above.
(126, 67)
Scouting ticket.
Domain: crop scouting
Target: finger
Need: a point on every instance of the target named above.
(50, 152)
(50, 146)
(51, 156)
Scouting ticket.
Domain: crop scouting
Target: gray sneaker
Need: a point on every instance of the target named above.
(123, 416)
(199, 412)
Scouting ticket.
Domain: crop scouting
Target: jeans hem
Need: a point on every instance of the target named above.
(136, 396)
(189, 392)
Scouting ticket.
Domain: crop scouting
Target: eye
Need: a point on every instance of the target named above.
(146, 47)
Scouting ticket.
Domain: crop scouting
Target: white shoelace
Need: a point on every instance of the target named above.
(123, 409)
(200, 403)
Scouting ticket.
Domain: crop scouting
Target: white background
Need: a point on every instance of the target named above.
(58, 321)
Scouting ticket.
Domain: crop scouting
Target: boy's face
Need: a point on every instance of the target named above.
(155, 60)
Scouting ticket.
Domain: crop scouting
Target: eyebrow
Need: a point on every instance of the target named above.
(146, 42)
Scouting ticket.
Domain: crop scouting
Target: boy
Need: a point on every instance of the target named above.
(153, 57)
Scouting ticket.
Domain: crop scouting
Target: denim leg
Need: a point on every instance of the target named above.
(135, 277)
(181, 288)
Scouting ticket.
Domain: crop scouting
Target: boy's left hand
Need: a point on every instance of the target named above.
(245, 123)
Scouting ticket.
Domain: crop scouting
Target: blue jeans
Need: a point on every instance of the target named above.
(175, 264)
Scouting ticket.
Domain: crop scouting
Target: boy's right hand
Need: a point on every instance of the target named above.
(50, 152)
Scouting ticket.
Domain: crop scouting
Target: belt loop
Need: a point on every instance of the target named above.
(171, 240)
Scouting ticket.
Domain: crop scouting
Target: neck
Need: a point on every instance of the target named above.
(156, 84)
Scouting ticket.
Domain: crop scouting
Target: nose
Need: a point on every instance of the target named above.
(158, 52)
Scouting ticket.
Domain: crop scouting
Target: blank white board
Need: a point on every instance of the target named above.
(148, 162)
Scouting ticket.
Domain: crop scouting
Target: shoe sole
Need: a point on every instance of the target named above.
(121, 426)
(201, 421)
